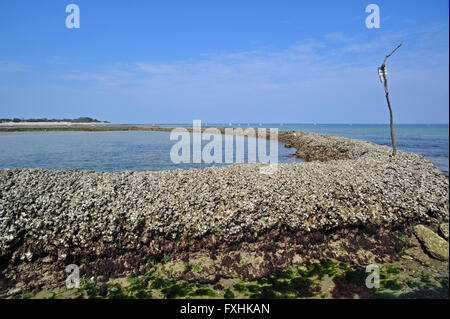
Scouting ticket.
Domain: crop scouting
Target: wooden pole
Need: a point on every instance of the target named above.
(382, 73)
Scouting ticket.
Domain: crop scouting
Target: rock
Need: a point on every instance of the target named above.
(48, 259)
(145, 239)
(14, 291)
(443, 230)
(29, 256)
(62, 254)
(297, 260)
(433, 243)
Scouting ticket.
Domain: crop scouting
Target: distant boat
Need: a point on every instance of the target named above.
(229, 124)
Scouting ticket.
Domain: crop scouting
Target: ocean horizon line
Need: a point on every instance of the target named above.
(276, 123)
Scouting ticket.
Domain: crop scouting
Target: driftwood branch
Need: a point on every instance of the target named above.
(387, 56)
(383, 79)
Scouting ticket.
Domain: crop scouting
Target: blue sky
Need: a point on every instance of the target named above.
(220, 61)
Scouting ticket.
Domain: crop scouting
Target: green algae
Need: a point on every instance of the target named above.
(203, 292)
(197, 267)
(228, 294)
(392, 284)
(324, 267)
(280, 284)
(393, 270)
(115, 291)
(138, 288)
(239, 287)
(177, 290)
(342, 280)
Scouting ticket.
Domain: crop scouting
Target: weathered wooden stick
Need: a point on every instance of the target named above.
(382, 73)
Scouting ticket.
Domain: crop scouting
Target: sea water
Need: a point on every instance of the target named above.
(150, 150)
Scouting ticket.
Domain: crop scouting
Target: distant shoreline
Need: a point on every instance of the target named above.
(89, 127)
(78, 126)
(49, 124)
(106, 126)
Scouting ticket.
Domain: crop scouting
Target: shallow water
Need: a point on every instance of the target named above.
(103, 151)
(147, 150)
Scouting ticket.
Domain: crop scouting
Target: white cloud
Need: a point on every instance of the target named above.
(307, 77)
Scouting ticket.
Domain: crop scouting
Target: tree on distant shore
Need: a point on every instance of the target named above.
(78, 120)
(382, 73)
